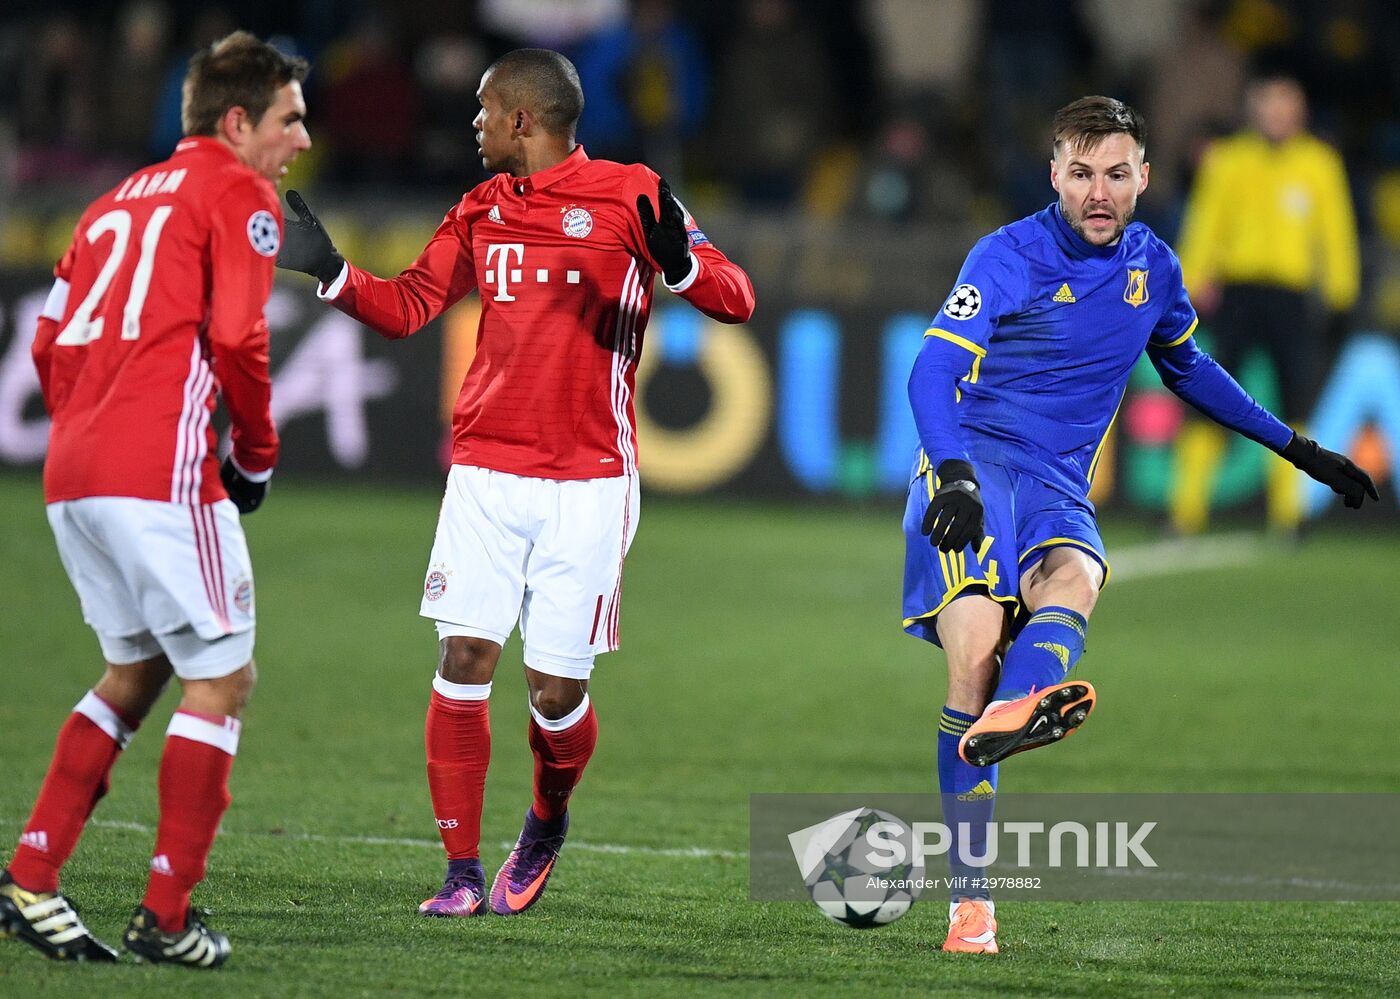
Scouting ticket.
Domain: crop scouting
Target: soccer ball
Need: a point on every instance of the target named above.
(850, 882)
(964, 302)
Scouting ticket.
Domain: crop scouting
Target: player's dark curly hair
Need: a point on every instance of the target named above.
(1084, 123)
(542, 81)
(239, 70)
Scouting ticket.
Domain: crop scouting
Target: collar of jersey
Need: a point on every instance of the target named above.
(1075, 245)
(202, 143)
(566, 167)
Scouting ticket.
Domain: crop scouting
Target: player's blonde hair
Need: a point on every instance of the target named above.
(239, 70)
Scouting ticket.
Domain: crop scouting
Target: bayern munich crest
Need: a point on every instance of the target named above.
(578, 223)
(243, 596)
(263, 234)
(436, 585)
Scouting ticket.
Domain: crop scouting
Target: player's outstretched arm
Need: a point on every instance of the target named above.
(306, 246)
(1196, 377)
(393, 307)
(1336, 471)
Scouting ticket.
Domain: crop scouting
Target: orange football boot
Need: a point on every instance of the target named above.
(973, 927)
(1038, 719)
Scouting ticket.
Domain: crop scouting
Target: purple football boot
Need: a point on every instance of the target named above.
(520, 881)
(463, 891)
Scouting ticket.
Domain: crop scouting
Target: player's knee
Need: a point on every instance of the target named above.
(238, 687)
(462, 659)
(554, 697)
(247, 680)
(1079, 588)
(134, 689)
(1066, 579)
(224, 695)
(972, 660)
(972, 675)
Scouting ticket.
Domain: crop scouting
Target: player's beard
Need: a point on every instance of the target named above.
(1077, 224)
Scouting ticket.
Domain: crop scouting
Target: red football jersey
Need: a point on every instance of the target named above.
(566, 290)
(158, 306)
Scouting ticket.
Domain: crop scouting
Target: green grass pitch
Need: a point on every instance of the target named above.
(761, 652)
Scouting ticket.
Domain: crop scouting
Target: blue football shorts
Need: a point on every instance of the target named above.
(1025, 519)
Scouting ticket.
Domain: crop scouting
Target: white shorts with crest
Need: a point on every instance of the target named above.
(156, 577)
(544, 553)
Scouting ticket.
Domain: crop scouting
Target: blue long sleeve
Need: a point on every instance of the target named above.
(1197, 378)
(933, 386)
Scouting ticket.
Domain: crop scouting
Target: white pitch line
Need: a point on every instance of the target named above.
(614, 848)
(696, 852)
(1177, 555)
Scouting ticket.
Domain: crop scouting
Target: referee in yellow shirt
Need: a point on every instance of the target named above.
(1269, 221)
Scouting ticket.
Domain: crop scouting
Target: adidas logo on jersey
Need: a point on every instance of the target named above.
(36, 840)
(160, 864)
(1064, 294)
(494, 215)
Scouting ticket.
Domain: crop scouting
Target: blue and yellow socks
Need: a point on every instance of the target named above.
(1047, 648)
(969, 795)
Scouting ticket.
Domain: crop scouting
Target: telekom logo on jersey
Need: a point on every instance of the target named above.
(501, 270)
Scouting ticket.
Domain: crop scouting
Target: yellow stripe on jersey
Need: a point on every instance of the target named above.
(1098, 451)
(1183, 338)
(962, 342)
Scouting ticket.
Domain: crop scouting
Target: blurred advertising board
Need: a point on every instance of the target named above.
(807, 400)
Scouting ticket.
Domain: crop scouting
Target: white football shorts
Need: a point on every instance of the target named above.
(157, 577)
(545, 553)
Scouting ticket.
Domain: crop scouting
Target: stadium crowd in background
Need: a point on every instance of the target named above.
(870, 109)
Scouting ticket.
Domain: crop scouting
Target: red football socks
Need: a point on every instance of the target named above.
(88, 745)
(457, 736)
(194, 771)
(562, 749)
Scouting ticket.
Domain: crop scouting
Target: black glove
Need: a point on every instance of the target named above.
(1334, 470)
(666, 239)
(954, 518)
(306, 246)
(246, 494)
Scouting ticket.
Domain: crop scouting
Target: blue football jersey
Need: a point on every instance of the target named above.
(1054, 326)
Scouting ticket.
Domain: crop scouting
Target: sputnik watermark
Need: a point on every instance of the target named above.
(1112, 844)
(1121, 846)
(878, 842)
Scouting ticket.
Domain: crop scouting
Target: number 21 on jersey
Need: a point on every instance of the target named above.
(82, 328)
